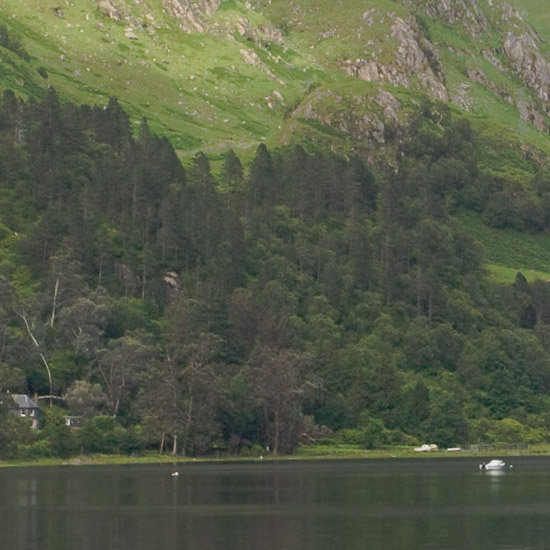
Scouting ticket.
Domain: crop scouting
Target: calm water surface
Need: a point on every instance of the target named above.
(369, 505)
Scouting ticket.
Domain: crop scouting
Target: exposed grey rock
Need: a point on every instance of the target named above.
(172, 286)
(477, 75)
(493, 60)
(243, 25)
(251, 57)
(389, 103)
(526, 59)
(508, 13)
(536, 155)
(349, 114)
(370, 16)
(411, 60)
(530, 114)
(276, 98)
(259, 35)
(270, 34)
(460, 96)
(129, 33)
(523, 109)
(192, 15)
(112, 8)
(520, 44)
(463, 12)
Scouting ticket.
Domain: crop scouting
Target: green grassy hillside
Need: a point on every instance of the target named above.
(238, 83)
(195, 88)
(276, 72)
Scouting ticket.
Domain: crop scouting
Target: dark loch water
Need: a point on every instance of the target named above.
(369, 505)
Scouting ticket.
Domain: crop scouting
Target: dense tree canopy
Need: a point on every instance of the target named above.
(269, 304)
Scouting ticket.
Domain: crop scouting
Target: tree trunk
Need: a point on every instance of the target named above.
(419, 291)
(276, 436)
(190, 412)
(35, 342)
(175, 446)
(54, 305)
(100, 275)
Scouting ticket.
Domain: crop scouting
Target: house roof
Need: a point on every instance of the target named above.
(24, 401)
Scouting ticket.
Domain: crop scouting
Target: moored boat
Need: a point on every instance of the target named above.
(494, 464)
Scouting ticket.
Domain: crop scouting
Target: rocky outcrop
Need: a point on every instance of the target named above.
(113, 9)
(356, 116)
(192, 15)
(252, 58)
(389, 103)
(493, 60)
(172, 286)
(391, 49)
(129, 33)
(274, 99)
(520, 53)
(526, 59)
(531, 114)
(463, 12)
(259, 35)
(528, 112)
(475, 74)
(507, 12)
(414, 57)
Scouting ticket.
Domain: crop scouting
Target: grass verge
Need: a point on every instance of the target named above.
(314, 452)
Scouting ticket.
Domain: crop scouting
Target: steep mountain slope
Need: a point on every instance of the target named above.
(200, 89)
(213, 75)
(217, 74)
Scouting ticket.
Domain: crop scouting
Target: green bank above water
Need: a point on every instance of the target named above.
(320, 452)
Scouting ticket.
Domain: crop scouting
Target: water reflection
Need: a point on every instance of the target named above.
(365, 505)
(493, 473)
(26, 492)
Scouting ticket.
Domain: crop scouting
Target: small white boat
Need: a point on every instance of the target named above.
(175, 474)
(492, 465)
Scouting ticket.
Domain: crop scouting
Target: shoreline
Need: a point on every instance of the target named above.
(304, 453)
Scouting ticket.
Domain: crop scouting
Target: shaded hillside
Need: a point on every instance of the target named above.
(322, 281)
(294, 298)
